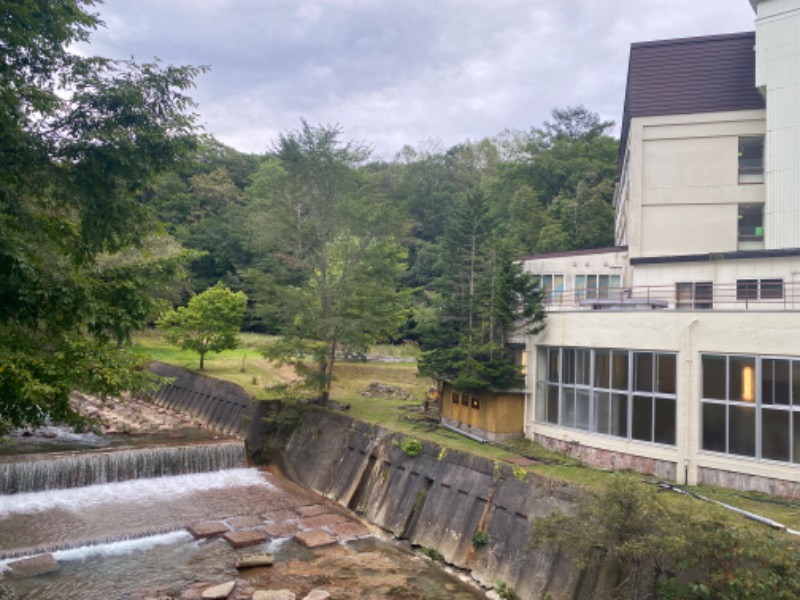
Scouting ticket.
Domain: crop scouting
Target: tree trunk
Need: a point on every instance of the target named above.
(202, 356)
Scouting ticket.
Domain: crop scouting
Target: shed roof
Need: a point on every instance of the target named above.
(690, 75)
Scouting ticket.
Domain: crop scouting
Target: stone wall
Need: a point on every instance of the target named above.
(439, 500)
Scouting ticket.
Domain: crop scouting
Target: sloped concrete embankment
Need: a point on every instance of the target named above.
(440, 500)
(219, 405)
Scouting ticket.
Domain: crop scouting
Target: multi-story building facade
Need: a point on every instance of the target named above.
(677, 352)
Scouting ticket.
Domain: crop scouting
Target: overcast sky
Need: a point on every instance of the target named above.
(396, 72)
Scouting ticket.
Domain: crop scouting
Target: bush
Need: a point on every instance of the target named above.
(480, 539)
(411, 446)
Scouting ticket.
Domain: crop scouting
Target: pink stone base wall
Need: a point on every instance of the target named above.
(609, 460)
(749, 483)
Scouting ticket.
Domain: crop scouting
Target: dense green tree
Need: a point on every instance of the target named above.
(208, 323)
(336, 234)
(81, 137)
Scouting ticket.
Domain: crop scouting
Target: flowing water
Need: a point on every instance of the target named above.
(125, 536)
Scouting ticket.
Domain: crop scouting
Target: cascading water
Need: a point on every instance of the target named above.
(34, 474)
(116, 524)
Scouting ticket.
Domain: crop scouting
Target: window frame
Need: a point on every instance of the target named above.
(766, 444)
(601, 394)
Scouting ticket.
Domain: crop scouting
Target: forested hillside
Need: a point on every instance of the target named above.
(332, 246)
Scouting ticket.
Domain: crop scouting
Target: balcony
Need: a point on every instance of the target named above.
(743, 295)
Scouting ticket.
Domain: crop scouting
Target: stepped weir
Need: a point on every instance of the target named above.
(79, 469)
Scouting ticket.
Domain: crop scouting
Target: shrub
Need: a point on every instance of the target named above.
(480, 539)
(411, 446)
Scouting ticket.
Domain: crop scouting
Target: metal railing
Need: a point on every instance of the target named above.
(745, 294)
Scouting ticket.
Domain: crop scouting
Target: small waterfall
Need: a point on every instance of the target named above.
(83, 469)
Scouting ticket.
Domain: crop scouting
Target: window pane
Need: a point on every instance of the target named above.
(455, 397)
(751, 159)
(742, 430)
(742, 378)
(602, 412)
(558, 288)
(775, 434)
(714, 427)
(580, 287)
(684, 295)
(552, 365)
(642, 418)
(751, 221)
(568, 407)
(643, 372)
(582, 409)
(602, 285)
(796, 382)
(552, 404)
(666, 373)
(583, 366)
(771, 289)
(541, 402)
(704, 295)
(796, 437)
(775, 383)
(746, 289)
(568, 365)
(602, 368)
(714, 377)
(619, 415)
(665, 421)
(619, 371)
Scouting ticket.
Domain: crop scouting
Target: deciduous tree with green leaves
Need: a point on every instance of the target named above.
(336, 236)
(208, 323)
(81, 137)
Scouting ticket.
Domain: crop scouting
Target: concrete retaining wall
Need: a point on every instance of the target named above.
(436, 499)
(440, 500)
(220, 405)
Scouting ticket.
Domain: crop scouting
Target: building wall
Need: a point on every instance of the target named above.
(680, 189)
(500, 414)
(659, 280)
(778, 78)
(690, 334)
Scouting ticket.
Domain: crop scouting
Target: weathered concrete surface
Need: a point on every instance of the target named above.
(220, 405)
(441, 501)
(432, 500)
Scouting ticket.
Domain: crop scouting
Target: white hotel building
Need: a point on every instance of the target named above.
(677, 352)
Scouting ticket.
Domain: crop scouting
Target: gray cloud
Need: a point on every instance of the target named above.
(399, 72)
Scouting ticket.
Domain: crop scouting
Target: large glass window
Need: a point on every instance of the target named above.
(751, 406)
(623, 393)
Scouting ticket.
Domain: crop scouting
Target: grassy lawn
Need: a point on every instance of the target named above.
(401, 411)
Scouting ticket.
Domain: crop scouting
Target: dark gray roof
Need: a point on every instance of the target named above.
(690, 75)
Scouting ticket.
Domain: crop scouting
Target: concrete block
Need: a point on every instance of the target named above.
(242, 539)
(315, 539)
(207, 529)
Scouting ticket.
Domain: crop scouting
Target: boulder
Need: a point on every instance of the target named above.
(317, 594)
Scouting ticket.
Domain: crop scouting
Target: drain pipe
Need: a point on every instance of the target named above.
(746, 514)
